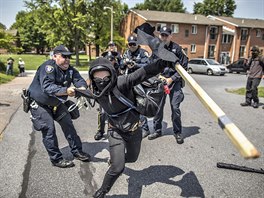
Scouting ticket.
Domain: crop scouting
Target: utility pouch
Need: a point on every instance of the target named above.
(72, 109)
(26, 100)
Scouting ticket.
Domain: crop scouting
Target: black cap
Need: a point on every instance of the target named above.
(165, 30)
(132, 39)
(62, 50)
(111, 43)
(255, 48)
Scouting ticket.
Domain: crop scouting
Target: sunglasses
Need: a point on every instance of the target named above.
(100, 80)
(164, 35)
(66, 56)
(132, 44)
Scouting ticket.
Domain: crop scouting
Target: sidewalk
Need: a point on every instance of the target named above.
(10, 99)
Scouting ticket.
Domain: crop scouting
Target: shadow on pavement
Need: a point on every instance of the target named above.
(189, 184)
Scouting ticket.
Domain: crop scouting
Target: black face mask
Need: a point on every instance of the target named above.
(102, 83)
(254, 54)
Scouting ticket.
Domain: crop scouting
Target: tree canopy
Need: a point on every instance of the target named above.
(215, 7)
(162, 5)
(2, 26)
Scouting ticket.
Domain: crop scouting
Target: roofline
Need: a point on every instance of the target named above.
(222, 20)
(138, 14)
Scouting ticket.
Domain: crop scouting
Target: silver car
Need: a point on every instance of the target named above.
(206, 66)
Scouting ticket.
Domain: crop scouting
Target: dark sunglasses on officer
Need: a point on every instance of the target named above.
(164, 35)
(101, 80)
(66, 56)
(132, 44)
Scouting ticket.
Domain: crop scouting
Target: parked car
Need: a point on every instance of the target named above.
(237, 66)
(206, 66)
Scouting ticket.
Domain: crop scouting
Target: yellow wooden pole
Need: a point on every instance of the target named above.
(245, 147)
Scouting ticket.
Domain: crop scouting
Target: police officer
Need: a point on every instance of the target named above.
(49, 90)
(112, 55)
(255, 67)
(175, 82)
(134, 58)
(124, 133)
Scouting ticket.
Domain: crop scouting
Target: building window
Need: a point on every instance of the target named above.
(186, 33)
(211, 51)
(226, 38)
(242, 51)
(193, 48)
(244, 33)
(213, 32)
(160, 25)
(258, 33)
(175, 28)
(194, 29)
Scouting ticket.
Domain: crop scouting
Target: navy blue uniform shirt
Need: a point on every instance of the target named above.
(50, 80)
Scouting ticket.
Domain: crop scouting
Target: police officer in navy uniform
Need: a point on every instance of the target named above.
(134, 58)
(175, 82)
(49, 90)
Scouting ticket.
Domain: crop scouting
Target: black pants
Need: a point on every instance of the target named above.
(43, 120)
(252, 90)
(124, 148)
(176, 97)
(102, 117)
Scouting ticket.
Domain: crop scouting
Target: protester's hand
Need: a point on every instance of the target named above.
(71, 91)
(169, 81)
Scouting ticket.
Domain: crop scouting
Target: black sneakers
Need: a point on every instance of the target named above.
(99, 135)
(154, 135)
(255, 105)
(145, 133)
(99, 194)
(85, 157)
(178, 138)
(245, 104)
(63, 163)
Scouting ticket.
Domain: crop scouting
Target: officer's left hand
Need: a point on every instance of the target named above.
(71, 91)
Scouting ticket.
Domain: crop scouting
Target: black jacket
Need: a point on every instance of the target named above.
(126, 120)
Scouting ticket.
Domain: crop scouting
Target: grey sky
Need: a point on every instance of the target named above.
(245, 8)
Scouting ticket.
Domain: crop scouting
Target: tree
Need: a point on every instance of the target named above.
(7, 42)
(2, 26)
(215, 7)
(162, 5)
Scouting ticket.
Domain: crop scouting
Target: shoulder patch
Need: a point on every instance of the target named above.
(49, 69)
(146, 53)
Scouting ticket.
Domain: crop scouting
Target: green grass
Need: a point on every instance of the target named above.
(32, 61)
(5, 78)
(242, 91)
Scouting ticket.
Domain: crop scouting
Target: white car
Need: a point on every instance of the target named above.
(206, 66)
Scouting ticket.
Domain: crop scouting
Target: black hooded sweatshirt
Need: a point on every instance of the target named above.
(127, 120)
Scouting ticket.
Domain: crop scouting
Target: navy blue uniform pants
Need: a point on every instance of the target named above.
(123, 148)
(176, 97)
(252, 89)
(43, 120)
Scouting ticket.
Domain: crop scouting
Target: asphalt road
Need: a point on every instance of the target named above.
(164, 169)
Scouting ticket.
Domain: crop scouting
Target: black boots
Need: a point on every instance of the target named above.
(154, 135)
(245, 104)
(99, 135)
(178, 138)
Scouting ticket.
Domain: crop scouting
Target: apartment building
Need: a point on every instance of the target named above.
(200, 36)
(239, 35)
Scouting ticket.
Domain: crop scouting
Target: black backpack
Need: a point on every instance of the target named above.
(148, 95)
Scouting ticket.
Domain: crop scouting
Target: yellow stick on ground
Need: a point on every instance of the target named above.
(245, 147)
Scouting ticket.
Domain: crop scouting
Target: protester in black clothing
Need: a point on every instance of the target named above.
(123, 130)
(115, 59)
(255, 67)
(173, 79)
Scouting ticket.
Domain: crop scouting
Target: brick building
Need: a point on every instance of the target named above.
(200, 36)
(239, 35)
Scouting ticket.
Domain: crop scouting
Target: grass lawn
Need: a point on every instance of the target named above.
(32, 61)
(4, 78)
(242, 91)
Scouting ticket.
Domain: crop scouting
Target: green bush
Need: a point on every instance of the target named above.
(2, 67)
